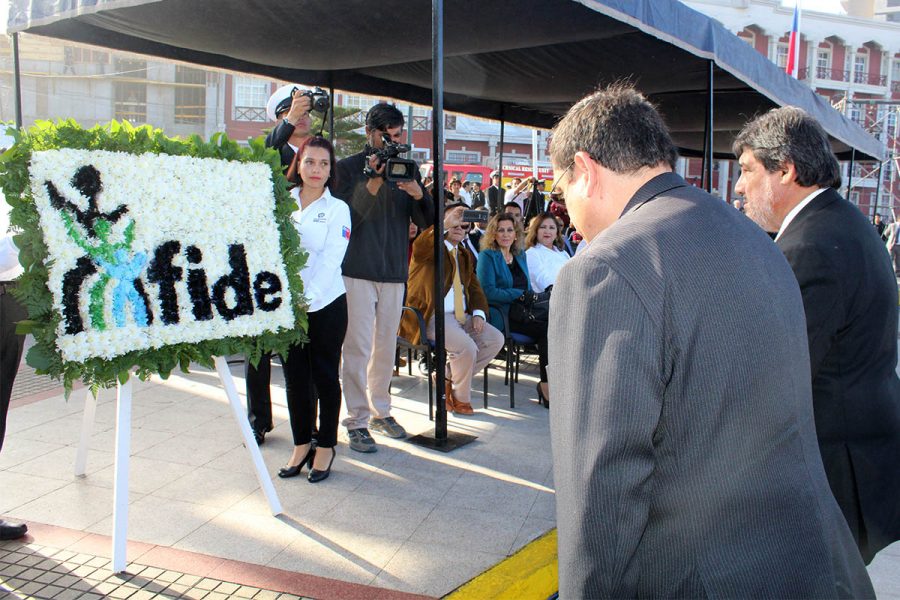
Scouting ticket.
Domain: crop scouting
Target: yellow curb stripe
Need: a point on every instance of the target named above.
(529, 573)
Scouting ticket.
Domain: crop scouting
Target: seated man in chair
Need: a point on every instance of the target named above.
(470, 341)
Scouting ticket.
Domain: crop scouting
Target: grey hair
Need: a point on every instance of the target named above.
(789, 135)
(618, 127)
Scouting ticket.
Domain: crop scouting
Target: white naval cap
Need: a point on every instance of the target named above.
(282, 93)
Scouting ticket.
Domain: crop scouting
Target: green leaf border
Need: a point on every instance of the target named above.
(32, 289)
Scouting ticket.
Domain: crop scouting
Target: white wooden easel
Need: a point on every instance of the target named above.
(123, 454)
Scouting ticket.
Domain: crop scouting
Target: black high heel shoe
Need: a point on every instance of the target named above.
(315, 475)
(541, 398)
(286, 472)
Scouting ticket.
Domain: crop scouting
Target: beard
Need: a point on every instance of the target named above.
(763, 215)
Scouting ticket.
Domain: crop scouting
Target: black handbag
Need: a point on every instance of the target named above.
(533, 308)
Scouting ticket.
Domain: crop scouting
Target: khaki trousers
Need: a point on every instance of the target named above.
(467, 352)
(373, 317)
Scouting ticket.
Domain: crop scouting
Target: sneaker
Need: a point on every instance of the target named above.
(389, 427)
(361, 440)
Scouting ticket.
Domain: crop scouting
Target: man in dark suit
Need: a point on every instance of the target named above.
(495, 194)
(679, 472)
(788, 180)
(291, 110)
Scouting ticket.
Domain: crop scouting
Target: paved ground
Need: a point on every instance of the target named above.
(404, 518)
(387, 525)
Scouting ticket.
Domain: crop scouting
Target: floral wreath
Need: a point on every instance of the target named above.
(114, 281)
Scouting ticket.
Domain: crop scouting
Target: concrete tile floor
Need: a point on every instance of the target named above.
(403, 518)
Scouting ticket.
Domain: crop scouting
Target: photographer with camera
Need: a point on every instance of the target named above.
(384, 193)
(290, 107)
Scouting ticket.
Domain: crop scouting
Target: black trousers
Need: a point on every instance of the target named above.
(259, 398)
(313, 369)
(538, 331)
(10, 350)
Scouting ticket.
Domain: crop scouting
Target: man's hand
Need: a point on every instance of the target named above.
(374, 183)
(300, 107)
(412, 188)
(477, 324)
(453, 217)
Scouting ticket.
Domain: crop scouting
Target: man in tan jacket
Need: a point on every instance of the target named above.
(470, 342)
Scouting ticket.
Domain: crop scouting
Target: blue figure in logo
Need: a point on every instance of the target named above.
(125, 269)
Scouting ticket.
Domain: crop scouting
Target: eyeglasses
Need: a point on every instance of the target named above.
(558, 181)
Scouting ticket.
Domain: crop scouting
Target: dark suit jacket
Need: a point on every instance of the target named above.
(496, 199)
(496, 281)
(278, 139)
(420, 289)
(681, 472)
(850, 297)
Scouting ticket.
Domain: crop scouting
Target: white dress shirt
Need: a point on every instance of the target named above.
(449, 306)
(543, 265)
(324, 228)
(796, 211)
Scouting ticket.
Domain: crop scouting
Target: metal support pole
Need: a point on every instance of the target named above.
(708, 141)
(500, 153)
(877, 187)
(850, 172)
(437, 101)
(409, 126)
(17, 80)
(442, 440)
(331, 117)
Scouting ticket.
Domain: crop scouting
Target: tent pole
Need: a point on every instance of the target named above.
(708, 141)
(442, 440)
(17, 76)
(331, 116)
(500, 151)
(877, 187)
(437, 129)
(850, 172)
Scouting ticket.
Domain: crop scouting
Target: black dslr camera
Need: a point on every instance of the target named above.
(318, 98)
(395, 169)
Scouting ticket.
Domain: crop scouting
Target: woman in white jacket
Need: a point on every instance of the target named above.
(323, 222)
(545, 250)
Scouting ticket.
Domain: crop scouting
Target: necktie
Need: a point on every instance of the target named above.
(459, 310)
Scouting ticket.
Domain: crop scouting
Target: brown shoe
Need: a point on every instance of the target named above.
(448, 393)
(463, 408)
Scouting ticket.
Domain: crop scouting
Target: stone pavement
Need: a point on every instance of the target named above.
(404, 519)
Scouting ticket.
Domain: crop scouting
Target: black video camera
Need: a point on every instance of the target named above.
(395, 169)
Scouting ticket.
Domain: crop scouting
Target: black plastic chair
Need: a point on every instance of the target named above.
(514, 344)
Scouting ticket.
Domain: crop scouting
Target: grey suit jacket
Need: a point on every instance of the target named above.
(685, 455)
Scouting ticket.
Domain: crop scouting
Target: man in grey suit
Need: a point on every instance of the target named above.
(788, 177)
(679, 472)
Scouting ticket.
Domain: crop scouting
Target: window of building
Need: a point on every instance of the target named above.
(364, 103)
(420, 156)
(130, 96)
(463, 157)
(895, 70)
(450, 122)
(781, 55)
(823, 63)
(77, 54)
(860, 68)
(190, 97)
(250, 97)
(854, 198)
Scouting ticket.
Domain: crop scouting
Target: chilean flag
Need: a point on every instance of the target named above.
(793, 59)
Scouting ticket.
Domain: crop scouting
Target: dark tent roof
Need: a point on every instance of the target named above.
(524, 61)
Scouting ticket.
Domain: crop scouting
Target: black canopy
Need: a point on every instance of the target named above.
(524, 61)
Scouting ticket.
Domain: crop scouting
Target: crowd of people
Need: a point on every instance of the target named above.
(726, 416)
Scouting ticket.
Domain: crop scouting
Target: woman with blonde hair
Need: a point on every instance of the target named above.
(503, 272)
(545, 252)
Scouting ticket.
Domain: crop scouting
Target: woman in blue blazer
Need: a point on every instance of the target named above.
(503, 273)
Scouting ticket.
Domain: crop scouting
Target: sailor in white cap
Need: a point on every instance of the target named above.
(495, 194)
(291, 109)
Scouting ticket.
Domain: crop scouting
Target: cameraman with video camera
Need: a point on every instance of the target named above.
(384, 193)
